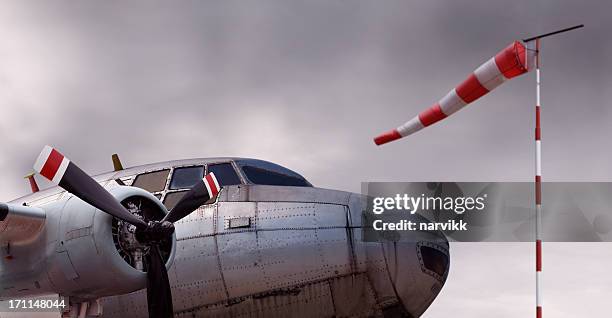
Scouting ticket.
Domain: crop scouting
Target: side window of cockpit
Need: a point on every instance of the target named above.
(186, 177)
(225, 174)
(152, 181)
(183, 178)
(172, 198)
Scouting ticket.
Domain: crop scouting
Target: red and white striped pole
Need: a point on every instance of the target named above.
(538, 164)
(538, 187)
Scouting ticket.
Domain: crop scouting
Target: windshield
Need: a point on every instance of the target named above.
(267, 173)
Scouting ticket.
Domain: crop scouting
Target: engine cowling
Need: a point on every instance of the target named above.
(97, 255)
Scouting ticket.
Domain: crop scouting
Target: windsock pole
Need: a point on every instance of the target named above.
(538, 167)
(538, 187)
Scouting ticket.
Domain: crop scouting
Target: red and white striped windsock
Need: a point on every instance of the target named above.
(512, 61)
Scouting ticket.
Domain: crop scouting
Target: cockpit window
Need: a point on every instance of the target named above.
(267, 173)
(172, 199)
(225, 174)
(186, 177)
(434, 260)
(152, 181)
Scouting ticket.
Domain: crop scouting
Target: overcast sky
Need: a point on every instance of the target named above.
(307, 85)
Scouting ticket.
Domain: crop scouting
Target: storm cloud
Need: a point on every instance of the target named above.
(307, 85)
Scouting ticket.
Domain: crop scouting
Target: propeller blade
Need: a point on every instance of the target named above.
(159, 294)
(58, 169)
(200, 193)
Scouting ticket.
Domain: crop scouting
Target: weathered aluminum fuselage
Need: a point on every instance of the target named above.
(280, 251)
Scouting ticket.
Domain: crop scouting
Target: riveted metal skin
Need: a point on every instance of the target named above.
(294, 251)
(74, 255)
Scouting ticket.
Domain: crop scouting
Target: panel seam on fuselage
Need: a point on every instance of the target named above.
(263, 230)
(234, 300)
(219, 266)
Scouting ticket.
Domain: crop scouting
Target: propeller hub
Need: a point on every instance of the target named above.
(155, 232)
(134, 242)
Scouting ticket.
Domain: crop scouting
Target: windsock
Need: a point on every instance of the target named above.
(512, 61)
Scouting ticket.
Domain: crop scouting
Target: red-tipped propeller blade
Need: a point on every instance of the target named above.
(58, 169)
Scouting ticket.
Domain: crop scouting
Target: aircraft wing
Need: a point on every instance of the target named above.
(20, 223)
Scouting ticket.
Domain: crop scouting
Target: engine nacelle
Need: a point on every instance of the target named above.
(97, 255)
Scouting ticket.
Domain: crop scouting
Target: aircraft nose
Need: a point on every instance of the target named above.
(412, 276)
(418, 273)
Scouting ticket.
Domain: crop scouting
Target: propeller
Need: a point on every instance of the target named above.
(58, 169)
(200, 193)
